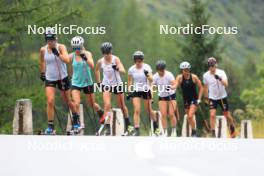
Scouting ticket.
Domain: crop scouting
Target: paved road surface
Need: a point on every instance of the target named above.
(135, 156)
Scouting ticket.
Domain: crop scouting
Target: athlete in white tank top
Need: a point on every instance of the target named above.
(111, 77)
(53, 57)
(111, 67)
(56, 69)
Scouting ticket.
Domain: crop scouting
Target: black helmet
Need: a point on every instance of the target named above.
(211, 61)
(106, 47)
(138, 55)
(50, 34)
(160, 65)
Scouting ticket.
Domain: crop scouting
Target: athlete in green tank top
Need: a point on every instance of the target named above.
(82, 64)
(81, 73)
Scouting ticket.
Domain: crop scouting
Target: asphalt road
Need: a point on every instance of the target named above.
(155, 156)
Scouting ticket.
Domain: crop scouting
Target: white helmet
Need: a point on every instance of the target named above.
(77, 41)
(185, 65)
(50, 33)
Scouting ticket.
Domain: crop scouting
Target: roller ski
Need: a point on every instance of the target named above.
(76, 127)
(135, 132)
(103, 125)
(49, 131)
(129, 131)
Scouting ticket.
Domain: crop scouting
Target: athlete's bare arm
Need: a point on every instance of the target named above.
(42, 62)
(64, 56)
(89, 57)
(97, 71)
(224, 82)
(205, 90)
(176, 82)
(120, 66)
(70, 65)
(129, 82)
(150, 77)
(200, 86)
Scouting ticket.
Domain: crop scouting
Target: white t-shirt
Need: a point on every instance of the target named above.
(163, 82)
(215, 87)
(140, 81)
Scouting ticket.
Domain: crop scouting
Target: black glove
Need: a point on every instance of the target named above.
(55, 51)
(218, 77)
(83, 56)
(146, 73)
(42, 76)
(115, 67)
(129, 96)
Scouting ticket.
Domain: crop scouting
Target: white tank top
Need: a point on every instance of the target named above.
(110, 76)
(55, 68)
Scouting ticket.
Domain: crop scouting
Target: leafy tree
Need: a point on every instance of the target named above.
(196, 48)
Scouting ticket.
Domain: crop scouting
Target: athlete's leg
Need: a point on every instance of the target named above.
(177, 111)
(76, 97)
(191, 120)
(107, 109)
(120, 99)
(148, 108)
(107, 102)
(66, 96)
(151, 114)
(191, 113)
(213, 107)
(64, 86)
(50, 96)
(136, 116)
(163, 111)
(229, 118)
(212, 118)
(227, 114)
(172, 109)
(76, 100)
(91, 102)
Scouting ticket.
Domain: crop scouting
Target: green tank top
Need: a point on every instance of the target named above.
(81, 73)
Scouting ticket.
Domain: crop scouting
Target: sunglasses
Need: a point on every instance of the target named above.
(138, 60)
(76, 49)
(50, 39)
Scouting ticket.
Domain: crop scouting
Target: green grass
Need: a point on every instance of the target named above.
(258, 128)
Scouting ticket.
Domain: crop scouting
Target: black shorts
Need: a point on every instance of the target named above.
(113, 89)
(87, 90)
(222, 102)
(61, 84)
(142, 94)
(168, 98)
(189, 102)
